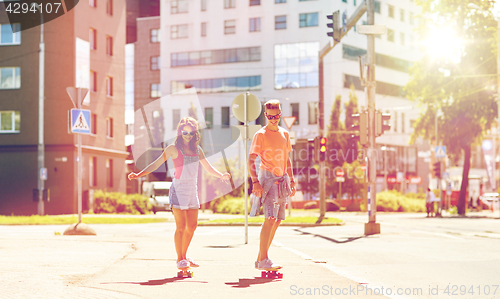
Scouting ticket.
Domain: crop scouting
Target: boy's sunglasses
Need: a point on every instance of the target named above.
(271, 117)
(190, 133)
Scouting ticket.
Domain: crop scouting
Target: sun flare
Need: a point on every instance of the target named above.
(444, 43)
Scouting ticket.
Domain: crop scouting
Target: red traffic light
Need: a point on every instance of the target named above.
(322, 144)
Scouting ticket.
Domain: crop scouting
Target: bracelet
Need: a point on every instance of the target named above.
(253, 182)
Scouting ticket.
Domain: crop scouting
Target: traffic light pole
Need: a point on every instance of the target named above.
(371, 227)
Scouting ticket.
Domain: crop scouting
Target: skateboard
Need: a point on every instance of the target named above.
(273, 273)
(184, 273)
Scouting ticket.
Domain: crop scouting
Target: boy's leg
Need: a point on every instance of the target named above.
(273, 232)
(265, 237)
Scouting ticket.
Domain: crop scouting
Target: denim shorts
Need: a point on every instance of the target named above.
(272, 209)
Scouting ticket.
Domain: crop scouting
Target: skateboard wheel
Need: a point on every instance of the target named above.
(280, 275)
(263, 274)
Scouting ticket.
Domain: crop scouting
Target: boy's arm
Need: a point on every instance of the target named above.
(257, 187)
(289, 171)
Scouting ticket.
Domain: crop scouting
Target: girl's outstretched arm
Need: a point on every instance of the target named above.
(170, 151)
(210, 169)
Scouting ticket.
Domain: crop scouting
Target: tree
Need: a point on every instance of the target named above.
(461, 86)
(336, 143)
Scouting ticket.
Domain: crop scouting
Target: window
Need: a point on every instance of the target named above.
(155, 63)
(209, 117)
(229, 27)
(279, 1)
(109, 45)
(354, 3)
(345, 1)
(219, 84)
(155, 35)
(377, 6)
(402, 122)
(412, 20)
(313, 112)
(176, 118)
(93, 171)
(178, 6)
(93, 39)
(229, 3)
(109, 127)
(295, 112)
(109, 172)
(395, 121)
(109, 86)
(296, 65)
(224, 121)
(93, 3)
(93, 81)
(402, 17)
(390, 35)
(203, 5)
(390, 11)
(402, 38)
(204, 29)
(10, 121)
(254, 2)
(178, 31)
(109, 7)
(10, 78)
(93, 124)
(308, 19)
(352, 53)
(280, 22)
(155, 90)
(215, 56)
(254, 24)
(10, 35)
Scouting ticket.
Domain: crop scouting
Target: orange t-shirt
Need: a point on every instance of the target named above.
(273, 148)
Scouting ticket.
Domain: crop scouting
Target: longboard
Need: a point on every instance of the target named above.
(185, 273)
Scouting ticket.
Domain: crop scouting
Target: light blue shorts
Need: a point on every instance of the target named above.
(272, 208)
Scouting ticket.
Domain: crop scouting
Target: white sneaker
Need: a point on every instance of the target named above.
(192, 262)
(183, 264)
(268, 265)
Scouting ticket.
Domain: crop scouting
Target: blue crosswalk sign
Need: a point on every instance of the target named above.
(440, 152)
(80, 121)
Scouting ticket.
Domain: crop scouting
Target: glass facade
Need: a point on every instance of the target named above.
(296, 65)
(218, 84)
(215, 56)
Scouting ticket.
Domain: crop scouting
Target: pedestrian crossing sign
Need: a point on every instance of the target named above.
(80, 121)
(440, 152)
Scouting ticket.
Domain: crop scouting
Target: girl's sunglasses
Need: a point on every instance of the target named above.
(271, 117)
(188, 133)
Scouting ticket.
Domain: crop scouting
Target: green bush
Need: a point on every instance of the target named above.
(394, 201)
(231, 205)
(117, 202)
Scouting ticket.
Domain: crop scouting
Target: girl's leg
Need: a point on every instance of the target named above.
(180, 228)
(191, 225)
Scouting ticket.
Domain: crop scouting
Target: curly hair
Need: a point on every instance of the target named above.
(193, 144)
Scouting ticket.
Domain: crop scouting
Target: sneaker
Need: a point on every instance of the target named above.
(268, 265)
(183, 264)
(192, 262)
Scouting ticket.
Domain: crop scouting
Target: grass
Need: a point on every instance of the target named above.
(54, 220)
(299, 220)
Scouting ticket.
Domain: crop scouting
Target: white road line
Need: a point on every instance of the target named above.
(437, 234)
(338, 271)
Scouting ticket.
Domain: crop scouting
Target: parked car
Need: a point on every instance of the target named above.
(491, 199)
(158, 195)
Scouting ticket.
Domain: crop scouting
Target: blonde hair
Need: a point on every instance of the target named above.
(273, 104)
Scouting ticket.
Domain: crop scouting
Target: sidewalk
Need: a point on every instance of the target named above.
(138, 261)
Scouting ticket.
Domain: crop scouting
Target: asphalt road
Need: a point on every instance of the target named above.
(414, 256)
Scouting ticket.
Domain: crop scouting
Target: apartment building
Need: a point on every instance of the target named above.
(83, 48)
(270, 48)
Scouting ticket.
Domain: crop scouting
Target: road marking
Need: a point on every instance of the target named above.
(437, 234)
(337, 270)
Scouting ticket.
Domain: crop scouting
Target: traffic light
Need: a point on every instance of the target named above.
(362, 126)
(335, 34)
(382, 122)
(322, 149)
(437, 169)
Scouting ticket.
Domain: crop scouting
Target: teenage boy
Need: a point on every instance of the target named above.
(274, 183)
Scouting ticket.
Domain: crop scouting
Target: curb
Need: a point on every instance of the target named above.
(282, 224)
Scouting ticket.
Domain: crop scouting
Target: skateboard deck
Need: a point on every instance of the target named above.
(184, 273)
(271, 274)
